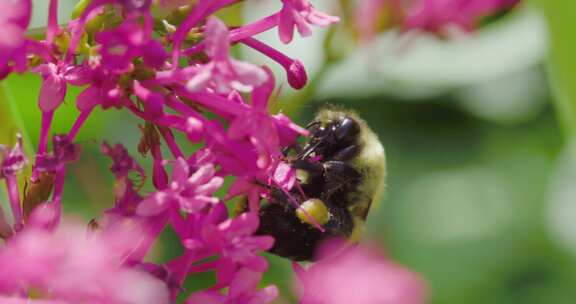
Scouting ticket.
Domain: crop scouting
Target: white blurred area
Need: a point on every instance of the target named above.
(495, 73)
(517, 97)
(40, 12)
(426, 64)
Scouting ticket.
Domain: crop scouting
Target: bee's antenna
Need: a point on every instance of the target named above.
(312, 124)
(307, 150)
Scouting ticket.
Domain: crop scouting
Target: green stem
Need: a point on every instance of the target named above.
(561, 63)
(563, 103)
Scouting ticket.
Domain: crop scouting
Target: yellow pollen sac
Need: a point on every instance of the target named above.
(314, 208)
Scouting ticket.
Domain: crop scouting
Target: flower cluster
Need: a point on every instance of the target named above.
(73, 265)
(357, 275)
(168, 63)
(434, 16)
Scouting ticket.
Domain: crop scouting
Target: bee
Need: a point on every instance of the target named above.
(341, 170)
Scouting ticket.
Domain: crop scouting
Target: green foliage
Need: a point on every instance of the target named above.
(562, 59)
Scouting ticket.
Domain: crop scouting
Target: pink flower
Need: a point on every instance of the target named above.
(141, 5)
(232, 241)
(367, 15)
(300, 14)
(53, 87)
(127, 199)
(243, 290)
(189, 193)
(223, 73)
(121, 45)
(257, 125)
(64, 151)
(71, 266)
(14, 19)
(437, 15)
(235, 242)
(295, 71)
(116, 50)
(103, 90)
(153, 102)
(267, 134)
(13, 160)
(236, 248)
(173, 3)
(123, 163)
(358, 275)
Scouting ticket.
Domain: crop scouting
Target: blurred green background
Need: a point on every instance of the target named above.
(481, 189)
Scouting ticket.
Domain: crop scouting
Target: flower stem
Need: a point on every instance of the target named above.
(53, 27)
(201, 10)
(14, 195)
(58, 191)
(171, 142)
(155, 227)
(5, 229)
(241, 33)
(44, 131)
(79, 123)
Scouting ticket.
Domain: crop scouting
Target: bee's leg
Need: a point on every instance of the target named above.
(340, 176)
(341, 223)
(346, 153)
(310, 176)
(314, 168)
(294, 239)
(335, 170)
(308, 149)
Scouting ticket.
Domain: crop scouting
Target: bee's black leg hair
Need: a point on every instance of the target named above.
(298, 240)
(308, 149)
(279, 197)
(346, 153)
(276, 195)
(340, 176)
(315, 168)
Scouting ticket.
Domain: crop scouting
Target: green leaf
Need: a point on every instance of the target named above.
(561, 62)
(11, 121)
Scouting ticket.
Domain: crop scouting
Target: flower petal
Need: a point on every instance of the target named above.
(89, 98)
(245, 282)
(153, 204)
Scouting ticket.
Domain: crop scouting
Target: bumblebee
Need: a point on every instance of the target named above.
(341, 171)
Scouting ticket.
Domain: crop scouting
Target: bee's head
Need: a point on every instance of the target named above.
(329, 136)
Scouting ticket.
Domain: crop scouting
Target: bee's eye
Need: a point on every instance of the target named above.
(347, 130)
